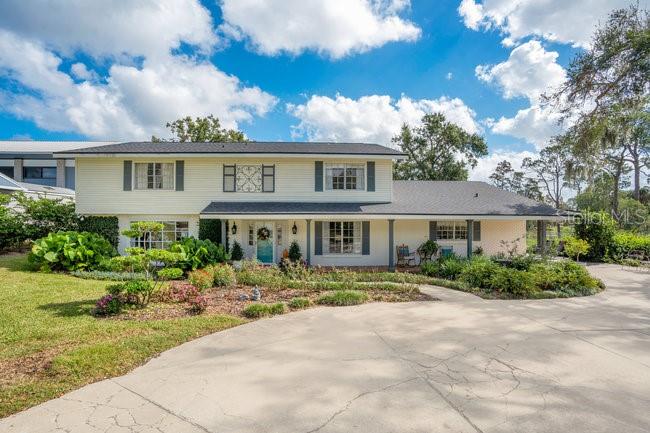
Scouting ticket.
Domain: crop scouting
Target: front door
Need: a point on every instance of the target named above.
(264, 234)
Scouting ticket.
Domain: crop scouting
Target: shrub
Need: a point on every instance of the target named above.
(196, 254)
(625, 242)
(179, 291)
(255, 311)
(44, 215)
(343, 297)
(70, 251)
(565, 277)
(451, 267)
(277, 308)
(197, 304)
(108, 275)
(105, 226)
(236, 253)
(521, 262)
(222, 275)
(294, 252)
(297, 270)
(478, 272)
(299, 303)
(512, 281)
(201, 278)
(575, 247)
(138, 292)
(13, 230)
(598, 229)
(108, 305)
(121, 264)
(210, 229)
(170, 273)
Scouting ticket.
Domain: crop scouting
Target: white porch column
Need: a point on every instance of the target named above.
(60, 173)
(391, 245)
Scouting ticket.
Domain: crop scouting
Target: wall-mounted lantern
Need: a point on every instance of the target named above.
(294, 229)
(234, 229)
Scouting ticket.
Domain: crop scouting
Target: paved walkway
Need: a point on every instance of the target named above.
(459, 365)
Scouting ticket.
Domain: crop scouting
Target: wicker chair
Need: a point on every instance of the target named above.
(404, 256)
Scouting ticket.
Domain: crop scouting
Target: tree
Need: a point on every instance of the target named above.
(201, 129)
(437, 150)
(615, 70)
(507, 178)
(549, 170)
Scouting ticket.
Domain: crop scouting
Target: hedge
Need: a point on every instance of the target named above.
(624, 242)
(105, 226)
(210, 229)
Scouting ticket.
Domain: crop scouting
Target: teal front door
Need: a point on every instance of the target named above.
(265, 249)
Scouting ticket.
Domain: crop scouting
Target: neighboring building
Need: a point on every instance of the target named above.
(10, 186)
(338, 201)
(33, 162)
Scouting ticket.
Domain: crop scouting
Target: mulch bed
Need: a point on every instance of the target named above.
(227, 301)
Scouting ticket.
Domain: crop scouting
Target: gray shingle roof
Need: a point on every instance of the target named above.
(409, 198)
(248, 147)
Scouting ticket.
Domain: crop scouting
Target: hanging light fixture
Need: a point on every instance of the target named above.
(234, 229)
(294, 229)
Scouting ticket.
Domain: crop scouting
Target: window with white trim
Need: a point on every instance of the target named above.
(172, 231)
(345, 177)
(251, 235)
(342, 237)
(154, 175)
(451, 230)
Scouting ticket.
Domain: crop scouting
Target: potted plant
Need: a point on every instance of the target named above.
(294, 252)
(427, 250)
(236, 255)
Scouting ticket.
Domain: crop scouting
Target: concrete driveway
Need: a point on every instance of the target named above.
(459, 365)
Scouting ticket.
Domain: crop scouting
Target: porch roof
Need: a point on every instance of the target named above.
(410, 198)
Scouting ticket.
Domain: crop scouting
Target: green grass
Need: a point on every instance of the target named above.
(45, 321)
(255, 311)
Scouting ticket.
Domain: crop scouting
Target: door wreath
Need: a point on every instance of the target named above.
(263, 233)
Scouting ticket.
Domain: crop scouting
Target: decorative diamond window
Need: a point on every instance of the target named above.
(249, 178)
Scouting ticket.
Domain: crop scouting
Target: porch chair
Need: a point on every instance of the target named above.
(404, 256)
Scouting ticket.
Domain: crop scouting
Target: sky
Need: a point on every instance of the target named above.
(290, 70)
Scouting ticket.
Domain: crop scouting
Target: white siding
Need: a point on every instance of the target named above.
(100, 184)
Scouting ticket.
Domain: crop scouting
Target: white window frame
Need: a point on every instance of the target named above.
(453, 228)
(359, 180)
(164, 187)
(162, 240)
(356, 237)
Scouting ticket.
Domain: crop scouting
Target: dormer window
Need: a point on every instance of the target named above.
(345, 177)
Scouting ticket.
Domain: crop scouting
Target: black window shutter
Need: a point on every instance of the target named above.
(371, 175)
(477, 231)
(318, 176)
(128, 175)
(433, 230)
(318, 238)
(180, 175)
(365, 238)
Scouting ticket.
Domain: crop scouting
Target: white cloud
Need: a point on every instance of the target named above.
(564, 21)
(535, 124)
(529, 71)
(449, 76)
(486, 165)
(373, 118)
(335, 28)
(133, 103)
(146, 84)
(111, 27)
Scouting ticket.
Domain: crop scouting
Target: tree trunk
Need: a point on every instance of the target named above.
(637, 179)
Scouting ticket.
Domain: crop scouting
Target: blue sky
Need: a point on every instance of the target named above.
(349, 70)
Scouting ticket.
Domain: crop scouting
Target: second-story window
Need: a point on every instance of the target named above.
(154, 175)
(345, 176)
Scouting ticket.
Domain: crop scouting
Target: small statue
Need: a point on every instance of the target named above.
(257, 295)
(243, 297)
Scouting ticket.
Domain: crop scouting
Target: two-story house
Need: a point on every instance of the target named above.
(337, 200)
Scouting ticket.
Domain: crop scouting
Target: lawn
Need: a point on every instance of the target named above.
(51, 344)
